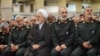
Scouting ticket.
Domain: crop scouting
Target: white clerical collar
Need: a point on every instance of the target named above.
(40, 25)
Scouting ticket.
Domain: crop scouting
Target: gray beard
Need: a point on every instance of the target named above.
(19, 25)
(62, 19)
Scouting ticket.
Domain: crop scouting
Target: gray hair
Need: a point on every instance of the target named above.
(19, 16)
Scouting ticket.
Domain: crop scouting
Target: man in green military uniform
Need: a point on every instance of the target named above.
(62, 35)
(12, 24)
(87, 36)
(18, 39)
(4, 37)
(27, 23)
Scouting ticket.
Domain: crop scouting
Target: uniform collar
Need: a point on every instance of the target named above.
(20, 28)
(59, 22)
(88, 22)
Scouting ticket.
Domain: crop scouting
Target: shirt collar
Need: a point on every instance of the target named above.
(40, 25)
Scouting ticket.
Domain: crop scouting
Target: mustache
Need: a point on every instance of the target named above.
(89, 16)
(62, 17)
(19, 24)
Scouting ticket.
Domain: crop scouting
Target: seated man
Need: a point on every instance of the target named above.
(62, 35)
(4, 37)
(87, 35)
(40, 36)
(18, 39)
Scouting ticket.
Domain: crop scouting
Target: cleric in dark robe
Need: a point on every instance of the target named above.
(40, 36)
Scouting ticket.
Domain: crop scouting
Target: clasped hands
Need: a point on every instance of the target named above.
(87, 45)
(58, 48)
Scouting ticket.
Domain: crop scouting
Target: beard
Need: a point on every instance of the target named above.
(62, 18)
(38, 22)
(89, 16)
(20, 25)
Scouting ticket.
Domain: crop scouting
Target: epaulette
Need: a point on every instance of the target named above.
(27, 27)
(0, 29)
(81, 22)
(85, 22)
(13, 27)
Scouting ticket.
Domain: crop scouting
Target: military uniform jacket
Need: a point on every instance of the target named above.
(19, 36)
(88, 31)
(4, 38)
(63, 33)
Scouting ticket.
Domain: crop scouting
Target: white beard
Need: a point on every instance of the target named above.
(38, 22)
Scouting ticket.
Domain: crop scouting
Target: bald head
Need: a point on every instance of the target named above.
(63, 8)
(33, 20)
(63, 12)
(51, 18)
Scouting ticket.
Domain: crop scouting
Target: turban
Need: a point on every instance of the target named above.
(44, 13)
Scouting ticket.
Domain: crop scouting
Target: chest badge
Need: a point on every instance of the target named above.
(67, 32)
(93, 31)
